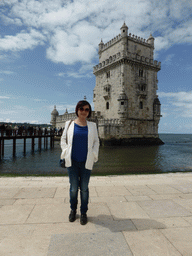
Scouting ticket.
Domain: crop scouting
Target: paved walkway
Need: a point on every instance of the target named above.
(128, 215)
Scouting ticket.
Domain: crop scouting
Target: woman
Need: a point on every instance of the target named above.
(80, 151)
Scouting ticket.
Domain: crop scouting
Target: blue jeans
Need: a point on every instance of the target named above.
(79, 178)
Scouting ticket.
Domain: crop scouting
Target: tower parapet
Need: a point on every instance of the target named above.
(129, 57)
(134, 38)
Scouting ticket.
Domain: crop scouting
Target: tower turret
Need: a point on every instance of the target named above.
(124, 33)
(123, 105)
(101, 44)
(156, 108)
(54, 114)
(151, 40)
(124, 30)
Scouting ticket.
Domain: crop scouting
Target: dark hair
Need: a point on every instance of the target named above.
(83, 103)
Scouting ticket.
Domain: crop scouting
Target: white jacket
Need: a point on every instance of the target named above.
(93, 144)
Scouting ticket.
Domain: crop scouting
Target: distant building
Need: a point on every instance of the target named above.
(127, 108)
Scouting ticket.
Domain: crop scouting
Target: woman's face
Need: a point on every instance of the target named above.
(83, 112)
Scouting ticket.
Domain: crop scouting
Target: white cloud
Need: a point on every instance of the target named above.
(4, 97)
(169, 58)
(70, 48)
(8, 21)
(73, 28)
(76, 74)
(22, 41)
(180, 102)
(7, 72)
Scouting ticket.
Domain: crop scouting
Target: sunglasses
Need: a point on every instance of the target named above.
(84, 109)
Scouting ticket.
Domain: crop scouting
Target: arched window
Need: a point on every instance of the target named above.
(108, 74)
(107, 105)
(141, 105)
(143, 87)
(140, 72)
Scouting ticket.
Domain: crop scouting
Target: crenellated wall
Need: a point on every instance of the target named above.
(129, 56)
(131, 37)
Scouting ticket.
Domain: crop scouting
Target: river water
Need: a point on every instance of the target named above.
(174, 156)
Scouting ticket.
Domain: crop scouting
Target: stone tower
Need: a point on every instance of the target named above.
(126, 86)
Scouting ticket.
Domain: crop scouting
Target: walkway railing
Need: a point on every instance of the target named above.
(15, 135)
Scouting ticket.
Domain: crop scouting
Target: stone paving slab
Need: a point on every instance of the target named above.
(15, 214)
(141, 190)
(8, 192)
(35, 192)
(127, 210)
(186, 203)
(7, 201)
(181, 238)
(62, 228)
(163, 208)
(138, 214)
(112, 191)
(93, 244)
(25, 246)
(106, 199)
(150, 243)
(12, 230)
(163, 189)
(49, 213)
(35, 201)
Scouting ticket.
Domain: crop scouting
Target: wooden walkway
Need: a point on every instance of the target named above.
(25, 135)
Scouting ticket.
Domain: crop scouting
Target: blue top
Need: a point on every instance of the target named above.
(80, 143)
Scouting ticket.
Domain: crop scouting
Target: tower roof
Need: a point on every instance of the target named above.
(122, 95)
(124, 25)
(150, 37)
(156, 101)
(101, 41)
(55, 112)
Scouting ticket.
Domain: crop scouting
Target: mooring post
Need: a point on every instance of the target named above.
(24, 146)
(14, 146)
(53, 141)
(39, 143)
(0, 148)
(50, 141)
(32, 144)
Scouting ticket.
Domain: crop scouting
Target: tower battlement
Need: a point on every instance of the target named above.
(130, 57)
(131, 37)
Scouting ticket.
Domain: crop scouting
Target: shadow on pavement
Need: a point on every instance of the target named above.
(119, 225)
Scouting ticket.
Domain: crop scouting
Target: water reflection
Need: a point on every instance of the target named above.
(175, 155)
(123, 160)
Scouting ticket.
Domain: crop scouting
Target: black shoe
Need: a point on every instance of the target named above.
(72, 216)
(83, 219)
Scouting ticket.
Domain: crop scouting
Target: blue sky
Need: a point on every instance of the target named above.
(48, 50)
